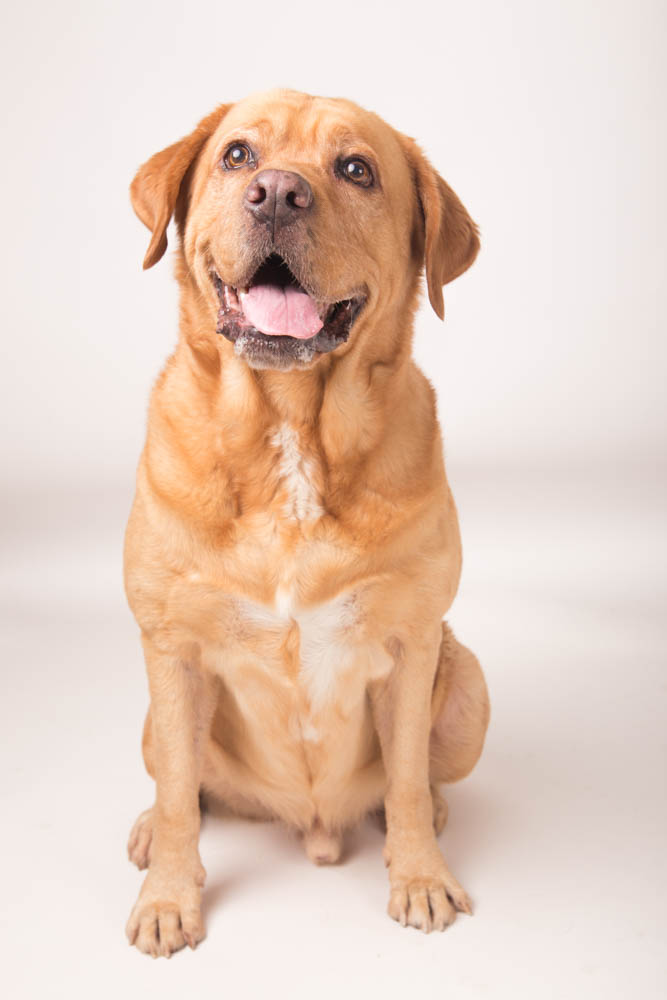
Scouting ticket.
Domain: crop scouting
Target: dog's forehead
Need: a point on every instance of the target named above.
(307, 124)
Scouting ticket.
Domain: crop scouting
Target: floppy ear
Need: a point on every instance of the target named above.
(451, 239)
(155, 189)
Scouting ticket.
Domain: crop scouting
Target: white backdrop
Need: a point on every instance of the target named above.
(548, 121)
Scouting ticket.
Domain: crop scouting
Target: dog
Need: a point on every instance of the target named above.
(293, 544)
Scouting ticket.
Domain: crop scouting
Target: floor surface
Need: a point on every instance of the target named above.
(558, 835)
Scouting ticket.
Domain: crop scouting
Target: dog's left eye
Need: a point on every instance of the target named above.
(237, 155)
(356, 170)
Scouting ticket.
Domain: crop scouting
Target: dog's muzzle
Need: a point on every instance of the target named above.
(275, 323)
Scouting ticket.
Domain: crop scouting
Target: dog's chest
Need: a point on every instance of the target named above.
(298, 683)
(298, 477)
(303, 650)
(298, 666)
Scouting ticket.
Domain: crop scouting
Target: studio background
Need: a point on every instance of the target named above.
(548, 122)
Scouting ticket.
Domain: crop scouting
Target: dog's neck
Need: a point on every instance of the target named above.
(211, 447)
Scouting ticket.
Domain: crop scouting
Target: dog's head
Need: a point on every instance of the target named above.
(300, 218)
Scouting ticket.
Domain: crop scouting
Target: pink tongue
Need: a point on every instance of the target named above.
(281, 311)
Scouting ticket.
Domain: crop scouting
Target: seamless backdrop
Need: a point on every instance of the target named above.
(548, 120)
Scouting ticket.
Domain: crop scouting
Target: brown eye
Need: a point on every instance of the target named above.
(357, 170)
(238, 155)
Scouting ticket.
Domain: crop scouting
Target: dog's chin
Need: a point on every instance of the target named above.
(283, 352)
(261, 350)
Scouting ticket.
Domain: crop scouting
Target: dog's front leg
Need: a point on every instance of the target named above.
(167, 914)
(423, 892)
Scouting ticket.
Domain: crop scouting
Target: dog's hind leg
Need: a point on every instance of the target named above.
(460, 716)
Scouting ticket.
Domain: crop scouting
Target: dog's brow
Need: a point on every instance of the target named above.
(249, 132)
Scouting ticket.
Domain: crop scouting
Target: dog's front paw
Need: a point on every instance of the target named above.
(425, 896)
(167, 915)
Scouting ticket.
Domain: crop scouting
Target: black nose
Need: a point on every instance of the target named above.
(278, 197)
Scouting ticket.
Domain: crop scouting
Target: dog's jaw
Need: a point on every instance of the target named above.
(269, 350)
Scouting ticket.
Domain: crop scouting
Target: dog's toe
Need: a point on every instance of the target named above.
(166, 917)
(429, 902)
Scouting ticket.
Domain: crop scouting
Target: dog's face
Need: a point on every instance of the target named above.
(301, 218)
(302, 209)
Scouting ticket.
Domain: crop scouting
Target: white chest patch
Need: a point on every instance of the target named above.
(326, 647)
(297, 473)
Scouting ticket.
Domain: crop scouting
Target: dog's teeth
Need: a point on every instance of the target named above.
(230, 297)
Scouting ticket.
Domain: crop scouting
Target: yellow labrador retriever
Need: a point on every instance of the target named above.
(293, 545)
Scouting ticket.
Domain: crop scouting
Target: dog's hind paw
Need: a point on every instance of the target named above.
(140, 839)
(322, 848)
(440, 811)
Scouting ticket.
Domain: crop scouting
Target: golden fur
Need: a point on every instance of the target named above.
(293, 545)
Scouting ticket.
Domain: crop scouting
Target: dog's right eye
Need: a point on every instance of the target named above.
(238, 155)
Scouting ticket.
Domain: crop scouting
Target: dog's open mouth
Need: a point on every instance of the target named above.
(275, 323)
